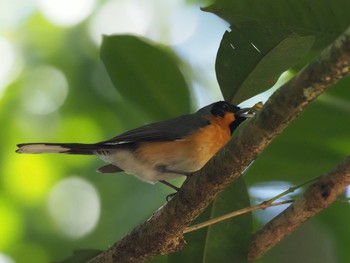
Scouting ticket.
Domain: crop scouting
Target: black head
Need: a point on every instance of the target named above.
(221, 108)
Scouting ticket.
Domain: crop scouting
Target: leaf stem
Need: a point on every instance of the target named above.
(242, 211)
(291, 190)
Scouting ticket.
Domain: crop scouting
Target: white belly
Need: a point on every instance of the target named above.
(126, 161)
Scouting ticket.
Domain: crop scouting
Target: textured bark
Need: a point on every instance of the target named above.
(316, 198)
(162, 233)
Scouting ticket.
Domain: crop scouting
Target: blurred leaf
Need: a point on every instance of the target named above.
(194, 250)
(251, 58)
(337, 212)
(146, 74)
(226, 241)
(82, 255)
(323, 18)
(158, 259)
(309, 238)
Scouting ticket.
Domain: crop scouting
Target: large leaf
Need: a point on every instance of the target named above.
(323, 18)
(146, 74)
(227, 241)
(251, 58)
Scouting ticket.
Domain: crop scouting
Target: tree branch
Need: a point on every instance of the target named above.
(162, 233)
(316, 198)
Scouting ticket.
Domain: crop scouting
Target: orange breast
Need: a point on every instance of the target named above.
(191, 153)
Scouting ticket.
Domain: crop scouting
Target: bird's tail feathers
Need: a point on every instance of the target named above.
(69, 148)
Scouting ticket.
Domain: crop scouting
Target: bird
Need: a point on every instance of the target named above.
(163, 150)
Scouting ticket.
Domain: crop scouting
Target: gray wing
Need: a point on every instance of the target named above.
(167, 130)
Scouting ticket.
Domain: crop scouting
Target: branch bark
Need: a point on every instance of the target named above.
(316, 198)
(162, 233)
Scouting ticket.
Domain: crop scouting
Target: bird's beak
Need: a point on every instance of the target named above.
(245, 113)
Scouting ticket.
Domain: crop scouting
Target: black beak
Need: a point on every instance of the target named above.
(244, 113)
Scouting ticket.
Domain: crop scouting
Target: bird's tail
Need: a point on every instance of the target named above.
(69, 148)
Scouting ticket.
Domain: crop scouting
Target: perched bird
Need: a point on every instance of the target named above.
(162, 150)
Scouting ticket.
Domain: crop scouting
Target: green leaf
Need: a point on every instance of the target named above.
(227, 241)
(146, 74)
(322, 18)
(251, 58)
(195, 247)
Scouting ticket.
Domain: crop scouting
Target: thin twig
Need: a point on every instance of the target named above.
(242, 211)
(291, 190)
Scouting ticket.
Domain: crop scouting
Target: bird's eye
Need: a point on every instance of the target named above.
(220, 109)
(225, 106)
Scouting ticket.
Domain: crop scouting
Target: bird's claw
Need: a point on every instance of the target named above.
(170, 196)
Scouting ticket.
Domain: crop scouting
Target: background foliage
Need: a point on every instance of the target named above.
(57, 89)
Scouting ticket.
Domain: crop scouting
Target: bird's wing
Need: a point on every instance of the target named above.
(168, 130)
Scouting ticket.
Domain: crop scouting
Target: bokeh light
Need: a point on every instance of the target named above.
(66, 12)
(182, 24)
(120, 17)
(179, 19)
(45, 88)
(6, 259)
(7, 55)
(14, 12)
(74, 206)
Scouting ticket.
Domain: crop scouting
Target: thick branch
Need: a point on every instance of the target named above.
(162, 233)
(316, 198)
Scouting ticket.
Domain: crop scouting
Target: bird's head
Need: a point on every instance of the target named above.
(227, 114)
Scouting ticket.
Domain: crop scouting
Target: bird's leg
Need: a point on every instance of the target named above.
(188, 174)
(169, 196)
(164, 170)
(170, 185)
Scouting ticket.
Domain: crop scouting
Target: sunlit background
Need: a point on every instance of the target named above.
(50, 75)
(53, 87)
